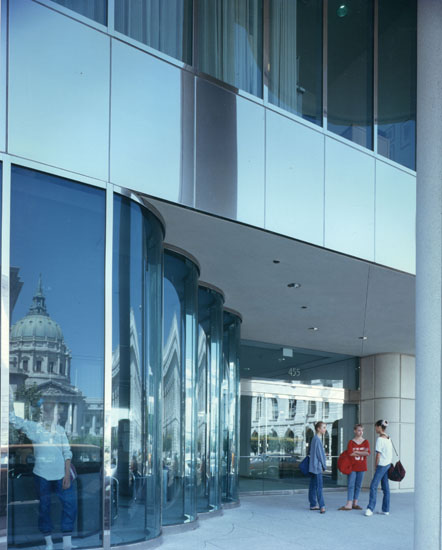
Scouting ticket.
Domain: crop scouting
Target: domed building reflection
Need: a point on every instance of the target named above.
(41, 360)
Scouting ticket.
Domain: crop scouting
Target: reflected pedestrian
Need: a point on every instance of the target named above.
(316, 466)
(358, 449)
(384, 456)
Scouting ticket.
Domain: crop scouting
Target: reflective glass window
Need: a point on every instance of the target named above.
(165, 25)
(350, 70)
(295, 65)
(397, 81)
(93, 9)
(57, 316)
(210, 335)
(135, 477)
(230, 39)
(230, 408)
(179, 404)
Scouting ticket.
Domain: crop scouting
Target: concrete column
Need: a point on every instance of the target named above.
(428, 510)
(388, 393)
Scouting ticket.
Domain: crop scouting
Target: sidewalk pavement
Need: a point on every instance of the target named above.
(284, 522)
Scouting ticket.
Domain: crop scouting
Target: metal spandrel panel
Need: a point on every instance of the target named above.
(349, 200)
(58, 90)
(147, 126)
(395, 218)
(251, 162)
(294, 179)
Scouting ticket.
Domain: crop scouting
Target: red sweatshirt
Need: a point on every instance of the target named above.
(359, 463)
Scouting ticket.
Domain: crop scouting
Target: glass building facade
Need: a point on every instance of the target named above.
(121, 371)
(366, 49)
(117, 424)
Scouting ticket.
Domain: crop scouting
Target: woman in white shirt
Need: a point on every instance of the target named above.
(384, 455)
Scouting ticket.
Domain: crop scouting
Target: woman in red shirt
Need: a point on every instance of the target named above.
(358, 448)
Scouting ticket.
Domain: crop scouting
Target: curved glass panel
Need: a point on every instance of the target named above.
(350, 70)
(230, 38)
(179, 404)
(163, 25)
(56, 361)
(397, 81)
(208, 380)
(94, 9)
(136, 379)
(230, 408)
(295, 73)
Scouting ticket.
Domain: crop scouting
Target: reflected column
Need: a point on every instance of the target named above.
(179, 404)
(210, 335)
(230, 409)
(136, 373)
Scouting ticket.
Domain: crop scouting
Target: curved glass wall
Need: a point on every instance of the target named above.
(56, 361)
(350, 70)
(208, 381)
(230, 42)
(136, 374)
(179, 404)
(230, 407)
(165, 26)
(93, 9)
(397, 80)
(295, 54)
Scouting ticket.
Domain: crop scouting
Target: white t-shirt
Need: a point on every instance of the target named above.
(384, 447)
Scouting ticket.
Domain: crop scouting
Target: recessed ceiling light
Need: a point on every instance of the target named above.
(362, 337)
(294, 285)
(313, 328)
(276, 261)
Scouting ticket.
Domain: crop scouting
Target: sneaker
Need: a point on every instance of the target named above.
(385, 513)
(368, 512)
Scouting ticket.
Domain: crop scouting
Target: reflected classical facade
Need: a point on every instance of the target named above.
(40, 371)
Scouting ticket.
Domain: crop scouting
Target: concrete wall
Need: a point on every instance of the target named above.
(388, 392)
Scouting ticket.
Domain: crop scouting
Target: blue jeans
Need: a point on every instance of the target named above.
(315, 495)
(380, 475)
(354, 485)
(68, 498)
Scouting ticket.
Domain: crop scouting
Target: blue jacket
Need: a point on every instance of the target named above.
(317, 456)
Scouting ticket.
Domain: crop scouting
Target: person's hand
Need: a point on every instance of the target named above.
(66, 481)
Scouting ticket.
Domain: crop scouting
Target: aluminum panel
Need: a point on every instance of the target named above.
(251, 162)
(294, 179)
(58, 90)
(395, 238)
(349, 200)
(147, 126)
(216, 183)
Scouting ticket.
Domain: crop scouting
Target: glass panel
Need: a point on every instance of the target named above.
(230, 408)
(163, 25)
(210, 321)
(295, 73)
(147, 130)
(56, 361)
(350, 70)
(179, 358)
(94, 9)
(136, 364)
(397, 81)
(349, 200)
(261, 361)
(294, 179)
(395, 218)
(230, 40)
(67, 115)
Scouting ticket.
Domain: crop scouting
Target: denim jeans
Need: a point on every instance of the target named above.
(380, 475)
(315, 495)
(68, 498)
(354, 485)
